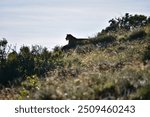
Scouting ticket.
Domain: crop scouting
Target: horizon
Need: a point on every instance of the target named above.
(46, 23)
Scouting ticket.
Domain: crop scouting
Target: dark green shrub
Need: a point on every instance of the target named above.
(127, 22)
(3, 53)
(104, 39)
(5, 67)
(137, 35)
(26, 61)
(143, 93)
(12, 65)
(146, 55)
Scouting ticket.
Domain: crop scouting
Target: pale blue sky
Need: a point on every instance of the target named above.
(46, 22)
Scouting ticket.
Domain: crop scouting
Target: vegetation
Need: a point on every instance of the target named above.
(114, 65)
(127, 22)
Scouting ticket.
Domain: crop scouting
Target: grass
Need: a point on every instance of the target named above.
(115, 71)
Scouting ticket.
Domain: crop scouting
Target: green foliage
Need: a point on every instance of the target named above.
(136, 35)
(27, 62)
(146, 55)
(129, 83)
(103, 40)
(29, 86)
(23, 94)
(3, 46)
(4, 66)
(127, 22)
(144, 93)
(30, 82)
(106, 38)
(3, 53)
(112, 65)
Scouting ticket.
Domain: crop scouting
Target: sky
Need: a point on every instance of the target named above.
(46, 22)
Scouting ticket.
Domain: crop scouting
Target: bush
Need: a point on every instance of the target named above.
(144, 93)
(146, 55)
(104, 40)
(27, 62)
(137, 35)
(127, 22)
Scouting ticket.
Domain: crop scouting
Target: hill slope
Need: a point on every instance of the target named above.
(97, 70)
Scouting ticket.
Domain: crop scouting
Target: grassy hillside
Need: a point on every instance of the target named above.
(102, 69)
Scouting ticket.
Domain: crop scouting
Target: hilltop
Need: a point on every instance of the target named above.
(113, 65)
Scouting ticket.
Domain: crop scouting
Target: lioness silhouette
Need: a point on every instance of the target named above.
(73, 41)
